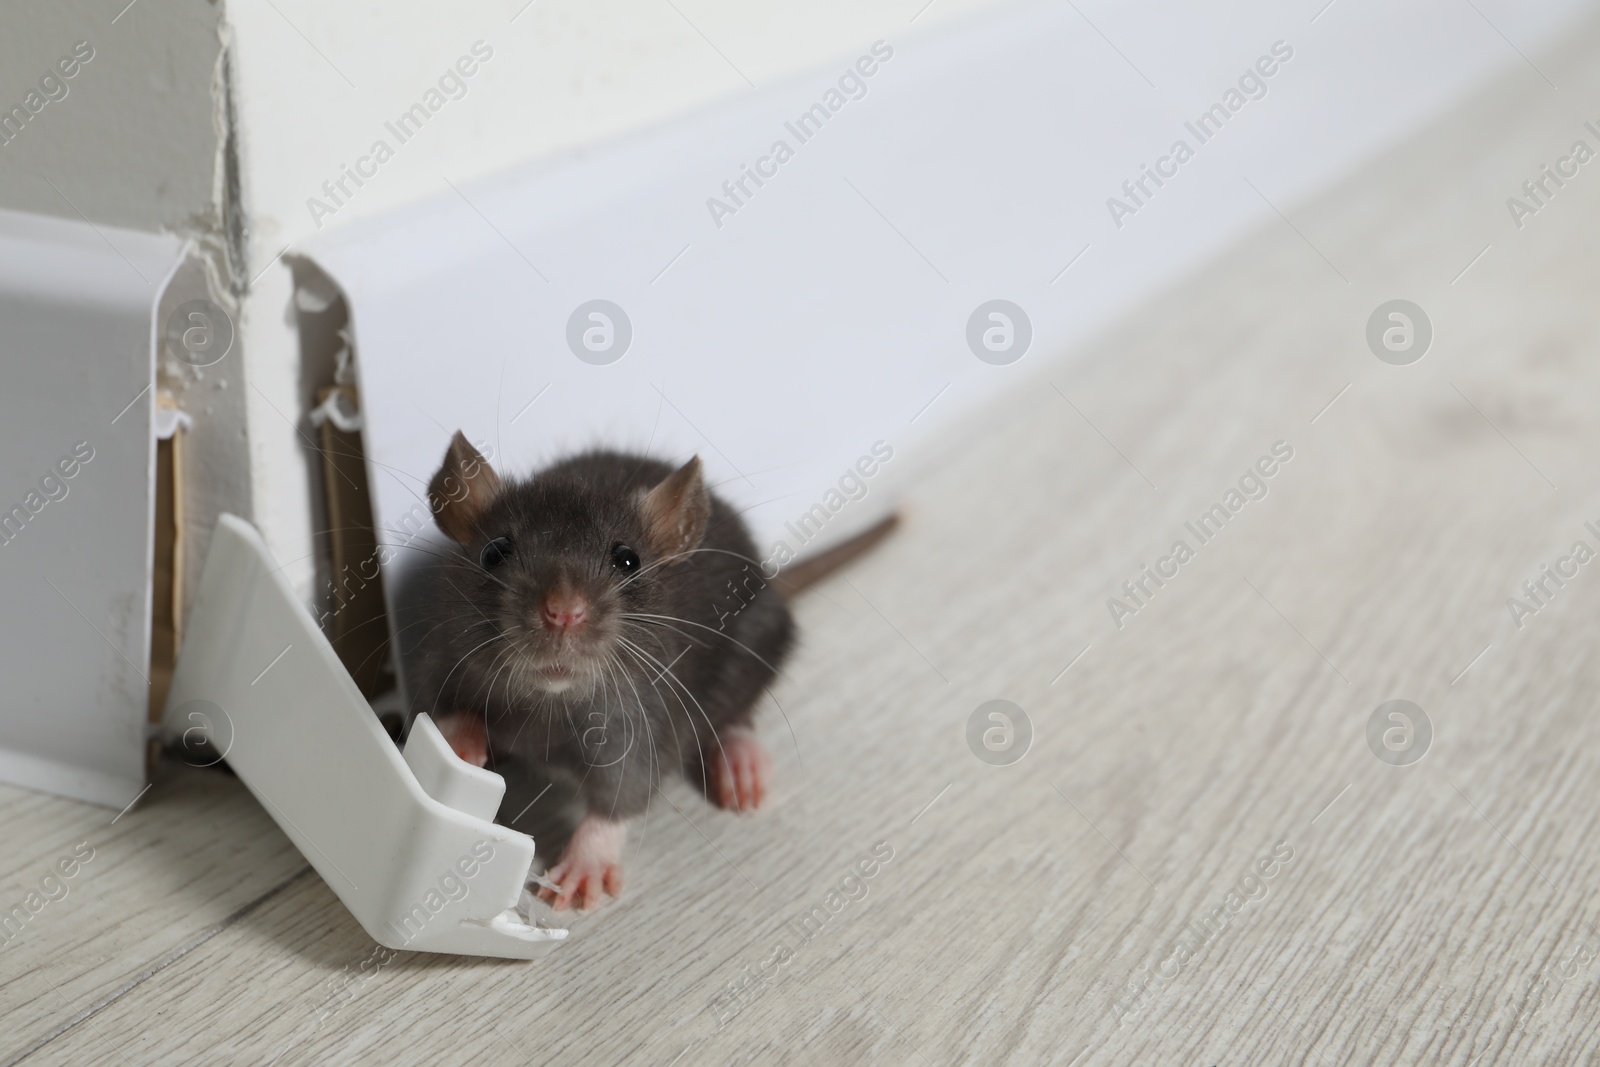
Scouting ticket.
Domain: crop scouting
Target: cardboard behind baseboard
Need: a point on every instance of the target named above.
(356, 619)
(166, 584)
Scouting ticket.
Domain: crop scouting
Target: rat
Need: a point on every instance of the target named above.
(607, 621)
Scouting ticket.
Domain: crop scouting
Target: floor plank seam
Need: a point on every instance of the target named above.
(150, 972)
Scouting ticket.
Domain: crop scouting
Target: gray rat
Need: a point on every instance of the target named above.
(605, 620)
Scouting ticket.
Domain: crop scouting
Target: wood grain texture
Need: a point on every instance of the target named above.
(1427, 911)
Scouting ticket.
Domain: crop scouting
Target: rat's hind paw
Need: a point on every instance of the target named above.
(591, 863)
(740, 769)
(467, 735)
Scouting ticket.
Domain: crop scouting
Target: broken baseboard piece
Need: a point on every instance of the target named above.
(407, 842)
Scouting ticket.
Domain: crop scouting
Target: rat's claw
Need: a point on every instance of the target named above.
(742, 768)
(589, 866)
(582, 886)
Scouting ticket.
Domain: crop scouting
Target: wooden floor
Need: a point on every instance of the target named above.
(1442, 912)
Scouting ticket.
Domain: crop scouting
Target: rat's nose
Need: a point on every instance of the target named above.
(564, 610)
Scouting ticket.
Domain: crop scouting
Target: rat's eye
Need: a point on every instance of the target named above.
(624, 558)
(495, 553)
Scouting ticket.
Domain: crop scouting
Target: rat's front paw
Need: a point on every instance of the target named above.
(467, 736)
(591, 862)
(740, 769)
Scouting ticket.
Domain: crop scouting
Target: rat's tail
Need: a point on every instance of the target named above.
(808, 572)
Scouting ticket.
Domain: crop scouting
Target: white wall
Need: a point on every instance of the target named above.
(135, 141)
(564, 75)
(316, 84)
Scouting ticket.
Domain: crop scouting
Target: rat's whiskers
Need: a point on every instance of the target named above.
(687, 622)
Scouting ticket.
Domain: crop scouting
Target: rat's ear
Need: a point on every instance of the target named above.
(461, 491)
(676, 511)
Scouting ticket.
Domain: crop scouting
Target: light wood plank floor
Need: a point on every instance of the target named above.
(1442, 912)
